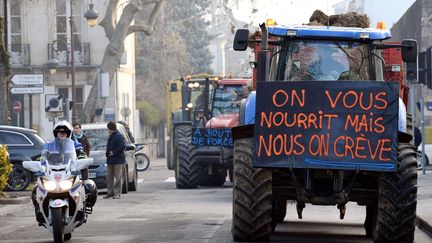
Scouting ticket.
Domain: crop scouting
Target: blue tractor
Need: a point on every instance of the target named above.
(323, 127)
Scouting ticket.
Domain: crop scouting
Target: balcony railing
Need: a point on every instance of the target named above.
(59, 51)
(19, 55)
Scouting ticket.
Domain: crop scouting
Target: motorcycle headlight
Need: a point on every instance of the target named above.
(50, 185)
(66, 185)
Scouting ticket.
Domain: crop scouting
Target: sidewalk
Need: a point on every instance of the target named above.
(424, 200)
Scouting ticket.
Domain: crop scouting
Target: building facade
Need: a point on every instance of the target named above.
(39, 38)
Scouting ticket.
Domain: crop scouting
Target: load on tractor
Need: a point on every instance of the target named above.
(200, 131)
(324, 127)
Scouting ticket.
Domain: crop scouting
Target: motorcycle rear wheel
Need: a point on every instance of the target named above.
(58, 224)
(142, 161)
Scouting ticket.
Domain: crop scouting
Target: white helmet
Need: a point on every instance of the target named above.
(63, 126)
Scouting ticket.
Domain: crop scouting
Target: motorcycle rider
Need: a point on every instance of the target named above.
(61, 131)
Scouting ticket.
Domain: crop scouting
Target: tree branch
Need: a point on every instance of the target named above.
(108, 21)
(149, 27)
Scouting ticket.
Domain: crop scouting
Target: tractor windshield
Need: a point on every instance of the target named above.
(227, 99)
(326, 60)
(197, 95)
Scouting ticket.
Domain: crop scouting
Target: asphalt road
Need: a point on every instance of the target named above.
(158, 212)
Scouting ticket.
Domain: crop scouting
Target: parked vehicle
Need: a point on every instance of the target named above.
(22, 144)
(61, 200)
(98, 138)
(141, 159)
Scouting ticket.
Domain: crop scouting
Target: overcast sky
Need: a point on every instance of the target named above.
(290, 12)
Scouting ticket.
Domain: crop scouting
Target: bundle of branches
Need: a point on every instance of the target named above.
(351, 19)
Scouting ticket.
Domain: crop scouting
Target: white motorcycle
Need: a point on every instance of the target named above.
(62, 200)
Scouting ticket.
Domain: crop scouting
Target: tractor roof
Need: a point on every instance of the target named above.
(234, 81)
(311, 31)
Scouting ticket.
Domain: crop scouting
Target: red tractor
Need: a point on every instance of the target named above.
(202, 141)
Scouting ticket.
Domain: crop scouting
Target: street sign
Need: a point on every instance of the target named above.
(27, 90)
(27, 79)
(16, 108)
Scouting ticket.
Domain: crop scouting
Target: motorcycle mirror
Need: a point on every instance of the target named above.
(83, 163)
(33, 166)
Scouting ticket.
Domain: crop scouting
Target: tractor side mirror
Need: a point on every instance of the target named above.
(241, 40)
(409, 50)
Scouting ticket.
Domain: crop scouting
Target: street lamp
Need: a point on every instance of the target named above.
(91, 15)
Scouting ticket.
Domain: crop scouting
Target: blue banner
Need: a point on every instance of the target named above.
(220, 137)
(327, 124)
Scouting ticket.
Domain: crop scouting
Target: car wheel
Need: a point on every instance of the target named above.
(134, 183)
(19, 178)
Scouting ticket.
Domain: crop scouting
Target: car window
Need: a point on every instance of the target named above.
(37, 137)
(98, 138)
(14, 139)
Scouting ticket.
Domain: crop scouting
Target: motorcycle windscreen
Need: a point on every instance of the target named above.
(60, 151)
(327, 125)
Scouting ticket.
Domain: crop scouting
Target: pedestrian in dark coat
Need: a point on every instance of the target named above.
(115, 154)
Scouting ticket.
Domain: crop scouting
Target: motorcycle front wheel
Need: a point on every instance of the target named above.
(58, 224)
(142, 161)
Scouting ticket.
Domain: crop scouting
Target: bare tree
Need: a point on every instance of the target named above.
(117, 33)
(4, 73)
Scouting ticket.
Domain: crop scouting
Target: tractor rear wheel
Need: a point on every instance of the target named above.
(187, 171)
(252, 196)
(279, 208)
(397, 199)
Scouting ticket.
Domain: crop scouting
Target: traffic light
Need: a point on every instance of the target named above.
(53, 103)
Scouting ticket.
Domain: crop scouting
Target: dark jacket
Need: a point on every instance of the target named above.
(117, 145)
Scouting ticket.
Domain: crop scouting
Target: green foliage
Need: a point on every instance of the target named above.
(5, 168)
(149, 114)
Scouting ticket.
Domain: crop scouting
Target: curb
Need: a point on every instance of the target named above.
(14, 200)
(424, 226)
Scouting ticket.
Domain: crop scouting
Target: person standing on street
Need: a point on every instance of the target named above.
(79, 135)
(115, 153)
(126, 126)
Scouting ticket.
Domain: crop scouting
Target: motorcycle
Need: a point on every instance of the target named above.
(62, 200)
(141, 159)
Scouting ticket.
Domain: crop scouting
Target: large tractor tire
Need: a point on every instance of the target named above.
(187, 171)
(397, 199)
(252, 196)
(371, 220)
(279, 209)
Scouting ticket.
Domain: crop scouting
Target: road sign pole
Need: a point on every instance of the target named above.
(30, 111)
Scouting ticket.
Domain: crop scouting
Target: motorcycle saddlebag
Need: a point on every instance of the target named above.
(91, 192)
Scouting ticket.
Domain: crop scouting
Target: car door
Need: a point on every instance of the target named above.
(130, 160)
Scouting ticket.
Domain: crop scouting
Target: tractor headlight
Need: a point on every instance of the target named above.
(66, 185)
(50, 185)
